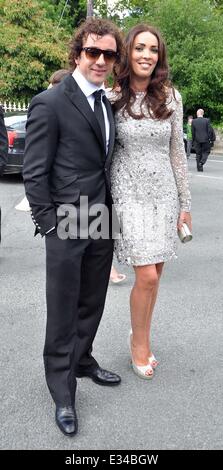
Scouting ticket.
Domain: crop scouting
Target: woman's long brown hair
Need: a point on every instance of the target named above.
(159, 85)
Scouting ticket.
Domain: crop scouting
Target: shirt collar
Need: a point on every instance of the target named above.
(86, 87)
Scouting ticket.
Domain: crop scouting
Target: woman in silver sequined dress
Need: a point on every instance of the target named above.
(149, 178)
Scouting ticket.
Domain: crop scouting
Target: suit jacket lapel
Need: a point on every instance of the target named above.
(112, 127)
(79, 100)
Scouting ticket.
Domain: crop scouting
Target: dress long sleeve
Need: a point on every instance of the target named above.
(177, 155)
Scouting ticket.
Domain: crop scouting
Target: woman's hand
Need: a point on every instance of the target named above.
(184, 218)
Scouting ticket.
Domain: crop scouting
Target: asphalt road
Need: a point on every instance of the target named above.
(181, 408)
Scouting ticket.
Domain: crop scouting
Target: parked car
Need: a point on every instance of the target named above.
(16, 129)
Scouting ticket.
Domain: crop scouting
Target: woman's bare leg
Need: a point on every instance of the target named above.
(159, 269)
(142, 294)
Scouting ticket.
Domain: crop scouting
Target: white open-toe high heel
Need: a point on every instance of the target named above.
(144, 372)
(153, 361)
(118, 279)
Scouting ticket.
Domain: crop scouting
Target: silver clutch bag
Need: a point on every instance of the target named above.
(185, 234)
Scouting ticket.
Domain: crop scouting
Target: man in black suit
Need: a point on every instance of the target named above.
(3, 149)
(69, 144)
(201, 131)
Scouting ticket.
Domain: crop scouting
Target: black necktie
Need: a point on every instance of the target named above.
(98, 111)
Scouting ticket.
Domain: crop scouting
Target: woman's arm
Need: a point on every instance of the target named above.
(179, 162)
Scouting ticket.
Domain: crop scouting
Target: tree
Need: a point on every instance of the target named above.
(90, 8)
(31, 48)
(195, 52)
(218, 6)
(68, 13)
(193, 33)
(32, 45)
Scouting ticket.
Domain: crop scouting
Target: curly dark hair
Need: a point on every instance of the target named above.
(97, 26)
(159, 85)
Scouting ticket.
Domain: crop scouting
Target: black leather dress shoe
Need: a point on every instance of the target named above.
(100, 376)
(66, 420)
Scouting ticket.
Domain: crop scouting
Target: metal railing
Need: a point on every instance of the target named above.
(10, 106)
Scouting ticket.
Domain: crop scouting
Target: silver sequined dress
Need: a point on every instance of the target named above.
(149, 178)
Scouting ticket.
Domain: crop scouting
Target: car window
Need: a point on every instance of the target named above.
(19, 125)
(16, 122)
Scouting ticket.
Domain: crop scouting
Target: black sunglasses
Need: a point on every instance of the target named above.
(95, 52)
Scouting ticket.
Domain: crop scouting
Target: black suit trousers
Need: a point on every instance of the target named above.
(77, 276)
(202, 151)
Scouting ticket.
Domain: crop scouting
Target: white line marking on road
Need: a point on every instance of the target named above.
(211, 177)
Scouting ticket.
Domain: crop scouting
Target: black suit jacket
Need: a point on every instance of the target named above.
(201, 130)
(3, 143)
(64, 153)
